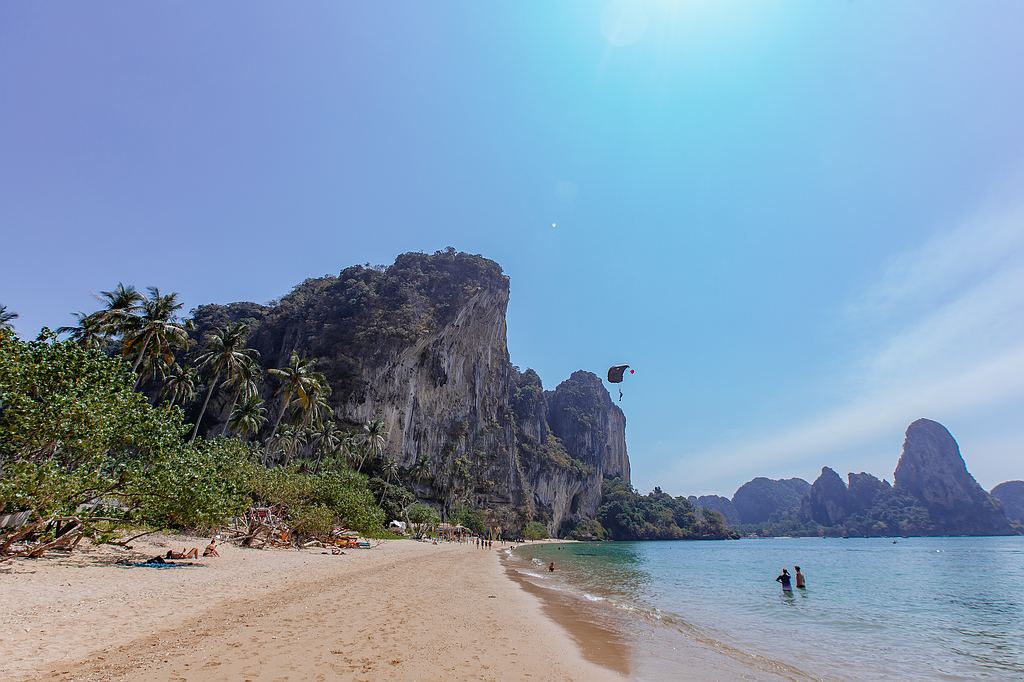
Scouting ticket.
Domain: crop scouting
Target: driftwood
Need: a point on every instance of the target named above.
(69, 532)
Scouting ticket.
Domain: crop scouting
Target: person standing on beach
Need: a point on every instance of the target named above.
(800, 583)
(785, 580)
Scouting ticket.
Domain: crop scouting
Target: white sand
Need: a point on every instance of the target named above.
(402, 611)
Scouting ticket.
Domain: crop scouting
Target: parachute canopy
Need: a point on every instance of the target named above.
(615, 373)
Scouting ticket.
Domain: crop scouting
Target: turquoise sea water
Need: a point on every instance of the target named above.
(922, 608)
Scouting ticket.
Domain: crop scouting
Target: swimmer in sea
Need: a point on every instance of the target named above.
(785, 580)
(800, 583)
(551, 567)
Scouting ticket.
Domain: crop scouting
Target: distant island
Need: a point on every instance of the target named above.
(933, 494)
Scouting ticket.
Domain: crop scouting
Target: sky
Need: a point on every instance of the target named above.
(802, 222)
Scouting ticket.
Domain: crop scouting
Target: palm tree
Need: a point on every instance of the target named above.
(350, 448)
(179, 384)
(225, 354)
(389, 470)
(421, 471)
(155, 330)
(6, 317)
(243, 386)
(249, 416)
(326, 439)
(298, 382)
(319, 411)
(290, 439)
(373, 440)
(121, 306)
(88, 333)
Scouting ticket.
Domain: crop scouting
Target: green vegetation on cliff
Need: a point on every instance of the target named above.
(627, 515)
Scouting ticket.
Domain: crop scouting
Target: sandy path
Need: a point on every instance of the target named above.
(402, 611)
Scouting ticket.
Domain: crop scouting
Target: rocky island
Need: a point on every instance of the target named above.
(933, 494)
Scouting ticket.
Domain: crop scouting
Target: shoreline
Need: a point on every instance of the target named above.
(628, 641)
(402, 610)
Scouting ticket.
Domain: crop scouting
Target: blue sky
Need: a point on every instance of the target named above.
(801, 222)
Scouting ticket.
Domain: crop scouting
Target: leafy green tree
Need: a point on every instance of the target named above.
(224, 355)
(78, 443)
(420, 513)
(627, 515)
(471, 518)
(393, 499)
(192, 488)
(588, 529)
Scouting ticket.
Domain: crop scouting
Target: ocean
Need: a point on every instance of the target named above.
(916, 608)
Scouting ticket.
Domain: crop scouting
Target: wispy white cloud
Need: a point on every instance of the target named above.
(988, 240)
(945, 324)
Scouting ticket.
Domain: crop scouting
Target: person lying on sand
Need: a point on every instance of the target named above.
(183, 554)
(211, 549)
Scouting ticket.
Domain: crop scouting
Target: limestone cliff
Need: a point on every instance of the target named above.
(422, 345)
(756, 501)
(932, 471)
(828, 501)
(722, 505)
(866, 491)
(1011, 496)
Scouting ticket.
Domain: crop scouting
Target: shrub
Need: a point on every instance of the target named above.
(535, 530)
(315, 519)
(588, 529)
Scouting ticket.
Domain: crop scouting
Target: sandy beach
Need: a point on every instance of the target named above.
(403, 610)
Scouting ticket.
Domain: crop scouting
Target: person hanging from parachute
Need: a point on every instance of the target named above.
(615, 373)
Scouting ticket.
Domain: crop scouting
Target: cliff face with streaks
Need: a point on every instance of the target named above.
(421, 344)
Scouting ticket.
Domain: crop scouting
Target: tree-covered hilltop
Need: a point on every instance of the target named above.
(354, 319)
(625, 514)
